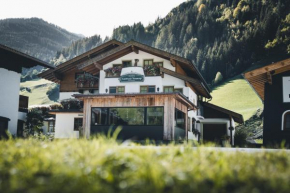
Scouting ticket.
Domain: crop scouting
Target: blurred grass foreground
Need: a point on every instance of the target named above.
(104, 165)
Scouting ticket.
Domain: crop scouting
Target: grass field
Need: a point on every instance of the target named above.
(103, 165)
(38, 87)
(237, 95)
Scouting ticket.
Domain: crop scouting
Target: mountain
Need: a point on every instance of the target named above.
(35, 37)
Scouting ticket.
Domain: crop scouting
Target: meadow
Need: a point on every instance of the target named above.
(104, 165)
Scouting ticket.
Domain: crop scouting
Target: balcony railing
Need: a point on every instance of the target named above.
(23, 103)
(87, 81)
(149, 70)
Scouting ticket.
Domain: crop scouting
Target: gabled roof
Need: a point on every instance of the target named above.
(236, 116)
(14, 60)
(71, 64)
(94, 65)
(258, 77)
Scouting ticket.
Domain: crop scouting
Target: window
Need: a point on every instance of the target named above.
(151, 116)
(180, 119)
(178, 90)
(148, 62)
(118, 89)
(51, 126)
(160, 64)
(286, 122)
(126, 116)
(154, 116)
(78, 123)
(168, 89)
(99, 116)
(121, 89)
(113, 90)
(127, 63)
(147, 89)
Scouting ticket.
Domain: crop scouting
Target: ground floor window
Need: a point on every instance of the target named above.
(119, 89)
(286, 120)
(78, 123)
(152, 116)
(51, 126)
(147, 89)
(168, 89)
(180, 119)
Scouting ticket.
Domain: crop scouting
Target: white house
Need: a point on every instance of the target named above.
(13, 108)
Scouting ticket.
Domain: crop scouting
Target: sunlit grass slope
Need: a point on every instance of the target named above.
(104, 166)
(38, 87)
(237, 95)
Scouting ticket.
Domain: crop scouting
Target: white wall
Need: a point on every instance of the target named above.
(9, 98)
(64, 125)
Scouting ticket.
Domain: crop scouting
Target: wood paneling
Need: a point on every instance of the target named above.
(169, 102)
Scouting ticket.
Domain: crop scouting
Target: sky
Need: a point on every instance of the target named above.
(89, 17)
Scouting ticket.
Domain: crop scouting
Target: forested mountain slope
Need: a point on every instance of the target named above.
(35, 37)
(226, 36)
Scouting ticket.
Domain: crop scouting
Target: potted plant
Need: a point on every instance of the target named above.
(152, 70)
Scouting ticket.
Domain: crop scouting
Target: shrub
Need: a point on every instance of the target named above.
(103, 165)
(72, 104)
(240, 138)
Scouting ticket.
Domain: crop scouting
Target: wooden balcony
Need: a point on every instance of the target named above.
(23, 104)
(87, 81)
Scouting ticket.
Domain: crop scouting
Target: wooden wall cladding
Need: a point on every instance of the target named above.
(169, 102)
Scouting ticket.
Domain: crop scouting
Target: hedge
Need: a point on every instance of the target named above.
(103, 165)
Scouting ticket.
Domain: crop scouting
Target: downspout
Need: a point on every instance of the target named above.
(231, 131)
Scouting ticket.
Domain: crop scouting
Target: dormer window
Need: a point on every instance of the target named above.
(127, 63)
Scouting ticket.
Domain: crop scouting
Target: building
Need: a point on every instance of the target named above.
(150, 93)
(13, 108)
(272, 85)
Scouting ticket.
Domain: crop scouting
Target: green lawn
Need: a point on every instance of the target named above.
(237, 95)
(38, 87)
(101, 165)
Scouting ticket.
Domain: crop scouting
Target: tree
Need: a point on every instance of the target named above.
(34, 121)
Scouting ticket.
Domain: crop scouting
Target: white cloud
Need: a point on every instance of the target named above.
(89, 17)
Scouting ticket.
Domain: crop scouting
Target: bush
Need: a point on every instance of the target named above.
(75, 104)
(240, 138)
(101, 165)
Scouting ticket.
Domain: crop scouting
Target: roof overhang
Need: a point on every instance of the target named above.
(258, 77)
(179, 96)
(236, 116)
(55, 75)
(14, 60)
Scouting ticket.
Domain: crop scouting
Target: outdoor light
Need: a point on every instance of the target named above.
(157, 89)
(106, 90)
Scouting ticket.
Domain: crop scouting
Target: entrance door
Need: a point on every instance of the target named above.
(214, 132)
(3, 127)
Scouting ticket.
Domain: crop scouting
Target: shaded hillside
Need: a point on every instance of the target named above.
(226, 36)
(76, 48)
(35, 37)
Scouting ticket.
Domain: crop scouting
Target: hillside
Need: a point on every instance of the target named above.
(239, 95)
(35, 37)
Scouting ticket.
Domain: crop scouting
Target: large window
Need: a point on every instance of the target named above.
(78, 122)
(151, 116)
(154, 116)
(99, 116)
(147, 89)
(126, 116)
(286, 118)
(180, 119)
(51, 126)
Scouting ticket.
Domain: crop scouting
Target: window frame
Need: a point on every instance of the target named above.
(283, 125)
(147, 86)
(126, 61)
(53, 126)
(78, 118)
(148, 60)
(145, 116)
(117, 91)
(168, 87)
